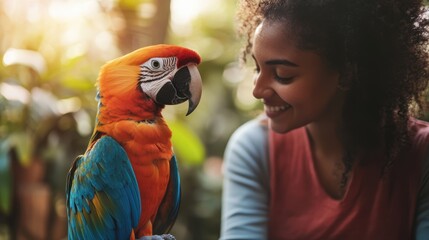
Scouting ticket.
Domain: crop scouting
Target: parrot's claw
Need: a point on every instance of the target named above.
(168, 237)
(158, 237)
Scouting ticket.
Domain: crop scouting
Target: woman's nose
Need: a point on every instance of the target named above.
(262, 88)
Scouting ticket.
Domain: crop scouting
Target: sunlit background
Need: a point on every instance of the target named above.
(50, 54)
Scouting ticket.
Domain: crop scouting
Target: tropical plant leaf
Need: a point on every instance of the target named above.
(187, 146)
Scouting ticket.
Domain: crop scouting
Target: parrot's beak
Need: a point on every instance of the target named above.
(195, 88)
(185, 85)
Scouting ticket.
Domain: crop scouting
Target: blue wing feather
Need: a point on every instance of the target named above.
(103, 200)
(169, 207)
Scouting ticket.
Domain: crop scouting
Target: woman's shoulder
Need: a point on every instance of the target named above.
(247, 147)
(252, 132)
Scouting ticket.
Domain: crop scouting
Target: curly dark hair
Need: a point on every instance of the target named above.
(380, 49)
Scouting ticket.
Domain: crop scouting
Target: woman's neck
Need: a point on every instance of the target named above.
(325, 139)
(328, 151)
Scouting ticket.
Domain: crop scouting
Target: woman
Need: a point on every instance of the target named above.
(337, 154)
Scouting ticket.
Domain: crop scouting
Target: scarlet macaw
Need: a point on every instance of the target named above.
(126, 185)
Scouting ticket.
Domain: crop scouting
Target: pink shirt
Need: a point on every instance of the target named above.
(373, 207)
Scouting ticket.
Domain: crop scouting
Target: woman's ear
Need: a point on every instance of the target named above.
(347, 76)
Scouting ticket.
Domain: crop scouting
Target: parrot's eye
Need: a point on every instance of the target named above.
(155, 64)
(158, 65)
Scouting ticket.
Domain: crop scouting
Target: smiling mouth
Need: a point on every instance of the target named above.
(274, 109)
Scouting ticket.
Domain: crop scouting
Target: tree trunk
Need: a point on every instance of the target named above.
(140, 31)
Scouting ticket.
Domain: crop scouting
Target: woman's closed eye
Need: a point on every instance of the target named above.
(283, 78)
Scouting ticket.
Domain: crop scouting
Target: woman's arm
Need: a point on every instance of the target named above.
(422, 219)
(246, 184)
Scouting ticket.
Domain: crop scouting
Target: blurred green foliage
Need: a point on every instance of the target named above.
(5, 179)
(186, 143)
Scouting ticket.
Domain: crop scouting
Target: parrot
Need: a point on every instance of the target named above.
(126, 185)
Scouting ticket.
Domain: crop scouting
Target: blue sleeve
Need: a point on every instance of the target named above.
(246, 184)
(422, 218)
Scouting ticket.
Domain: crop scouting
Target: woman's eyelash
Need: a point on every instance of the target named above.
(284, 80)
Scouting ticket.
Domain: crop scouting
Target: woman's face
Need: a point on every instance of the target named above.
(296, 86)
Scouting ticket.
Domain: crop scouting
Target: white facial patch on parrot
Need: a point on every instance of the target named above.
(152, 88)
(155, 73)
